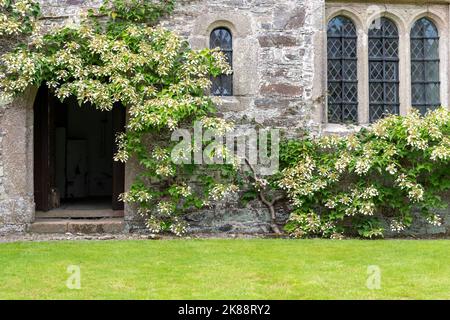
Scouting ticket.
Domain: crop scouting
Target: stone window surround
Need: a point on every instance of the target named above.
(244, 52)
(399, 14)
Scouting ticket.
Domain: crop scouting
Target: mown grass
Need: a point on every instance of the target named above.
(226, 269)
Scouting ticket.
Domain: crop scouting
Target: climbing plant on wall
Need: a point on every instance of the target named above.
(386, 173)
(118, 57)
(117, 54)
(17, 17)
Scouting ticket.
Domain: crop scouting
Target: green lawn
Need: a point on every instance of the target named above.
(226, 269)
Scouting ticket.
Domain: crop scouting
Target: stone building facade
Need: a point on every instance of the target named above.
(280, 81)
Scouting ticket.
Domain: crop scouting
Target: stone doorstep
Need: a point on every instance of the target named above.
(84, 226)
(72, 213)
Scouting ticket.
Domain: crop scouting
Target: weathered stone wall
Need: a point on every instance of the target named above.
(16, 164)
(279, 50)
(277, 81)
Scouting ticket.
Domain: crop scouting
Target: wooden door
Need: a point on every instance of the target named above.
(44, 174)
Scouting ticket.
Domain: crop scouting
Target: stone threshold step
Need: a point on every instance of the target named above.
(76, 213)
(83, 226)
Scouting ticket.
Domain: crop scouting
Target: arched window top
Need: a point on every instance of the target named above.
(383, 27)
(341, 26)
(221, 38)
(424, 28)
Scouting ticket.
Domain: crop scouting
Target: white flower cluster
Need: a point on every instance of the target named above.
(260, 183)
(416, 137)
(337, 236)
(122, 154)
(153, 225)
(391, 169)
(223, 191)
(415, 191)
(397, 226)
(352, 143)
(357, 201)
(329, 142)
(165, 208)
(364, 163)
(310, 223)
(139, 196)
(219, 125)
(184, 190)
(342, 163)
(160, 154)
(295, 178)
(435, 220)
(165, 170)
(178, 227)
(442, 151)
(15, 15)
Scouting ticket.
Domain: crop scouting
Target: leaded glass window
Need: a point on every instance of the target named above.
(425, 85)
(383, 69)
(342, 71)
(223, 84)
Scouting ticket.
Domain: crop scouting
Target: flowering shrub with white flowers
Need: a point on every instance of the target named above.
(17, 17)
(343, 185)
(125, 61)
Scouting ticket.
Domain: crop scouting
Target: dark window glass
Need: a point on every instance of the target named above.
(223, 84)
(342, 71)
(425, 85)
(383, 69)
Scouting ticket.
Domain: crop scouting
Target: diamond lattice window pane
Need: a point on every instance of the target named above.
(432, 71)
(350, 93)
(334, 48)
(223, 84)
(342, 71)
(335, 70)
(417, 49)
(349, 48)
(431, 48)
(383, 68)
(376, 70)
(390, 71)
(376, 112)
(417, 71)
(376, 93)
(375, 48)
(425, 85)
(391, 93)
(350, 70)
(221, 38)
(335, 92)
(334, 113)
(418, 94)
(391, 48)
(432, 94)
(350, 112)
(391, 109)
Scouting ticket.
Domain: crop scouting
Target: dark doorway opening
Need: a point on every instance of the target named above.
(73, 155)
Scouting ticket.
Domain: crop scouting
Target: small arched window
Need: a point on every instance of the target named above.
(425, 85)
(383, 69)
(222, 38)
(342, 71)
